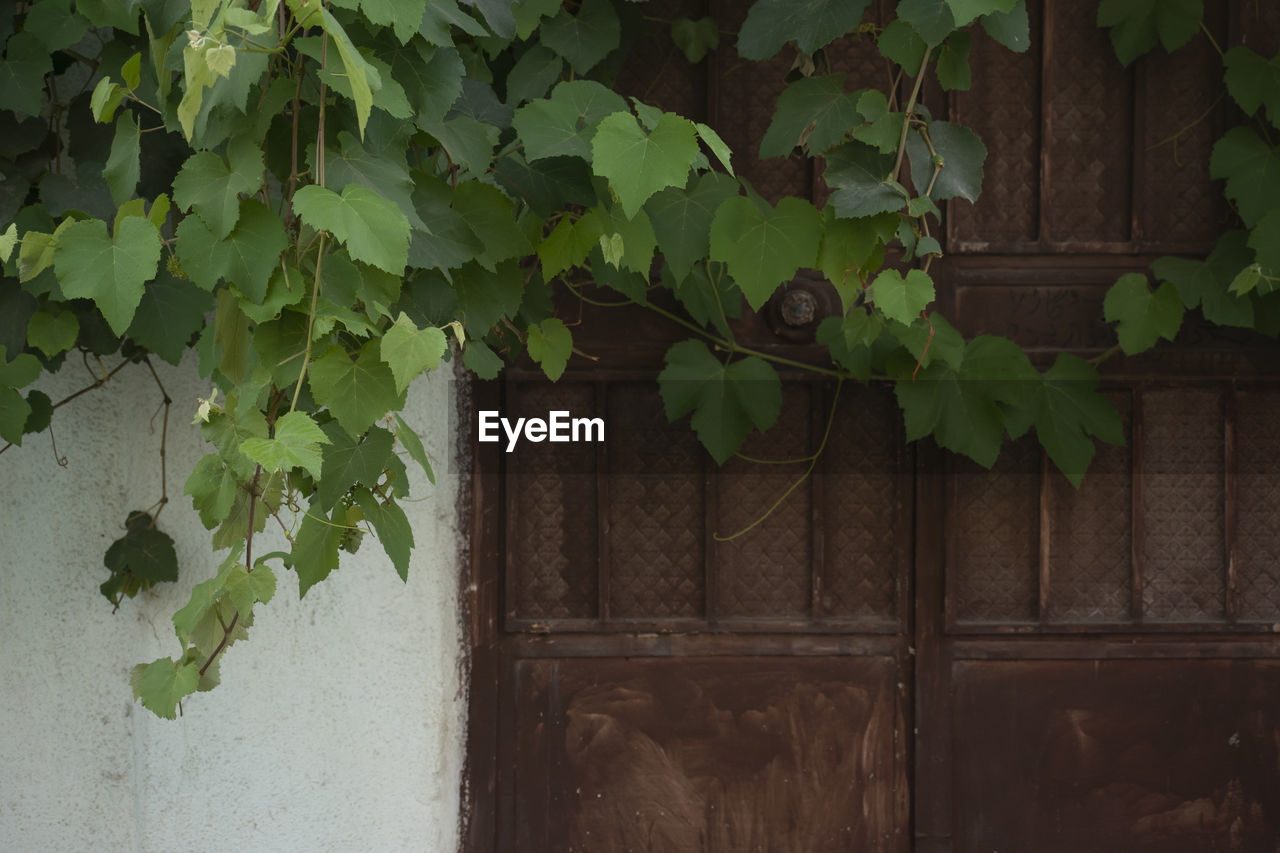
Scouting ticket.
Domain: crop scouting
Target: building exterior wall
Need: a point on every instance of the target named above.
(340, 722)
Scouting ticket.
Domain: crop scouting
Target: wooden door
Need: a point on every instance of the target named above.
(911, 652)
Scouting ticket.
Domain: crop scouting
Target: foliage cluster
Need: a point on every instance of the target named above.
(316, 195)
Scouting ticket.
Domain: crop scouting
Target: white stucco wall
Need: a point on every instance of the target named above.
(339, 722)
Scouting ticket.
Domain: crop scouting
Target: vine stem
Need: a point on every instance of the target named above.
(97, 383)
(906, 120)
(813, 462)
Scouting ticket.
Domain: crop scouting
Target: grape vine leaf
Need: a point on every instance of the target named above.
(295, 444)
(953, 63)
(1252, 171)
(1206, 283)
(961, 417)
(564, 123)
(1143, 317)
(811, 24)
(247, 257)
(899, 298)
(110, 270)
(22, 74)
(484, 298)
(1253, 81)
(212, 487)
(858, 175)
(569, 242)
(444, 240)
(726, 402)
(356, 392)
(900, 43)
(52, 333)
(143, 552)
(350, 461)
(481, 360)
(1070, 412)
(682, 217)
(123, 164)
(638, 164)
(550, 344)
(162, 684)
(850, 246)
(373, 229)
(764, 246)
(170, 313)
(491, 217)
(244, 588)
(962, 153)
(965, 11)
(813, 113)
(1012, 29)
(315, 546)
(1136, 25)
(392, 528)
(585, 38)
(212, 187)
(413, 446)
(534, 73)
(695, 38)
(931, 19)
(409, 351)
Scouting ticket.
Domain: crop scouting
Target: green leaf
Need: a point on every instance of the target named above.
(962, 154)
(1004, 373)
(14, 413)
(569, 242)
(682, 217)
(550, 345)
(716, 145)
(638, 164)
(8, 240)
(296, 444)
(392, 528)
(413, 446)
(858, 175)
(315, 547)
(931, 19)
(491, 217)
(965, 11)
(1012, 29)
(123, 167)
(444, 241)
(813, 113)
(927, 341)
(1253, 81)
(1264, 239)
(899, 298)
(961, 417)
(52, 333)
(372, 228)
(110, 270)
(765, 247)
(143, 552)
(534, 73)
(351, 461)
(410, 351)
(55, 25)
(212, 487)
(953, 63)
(22, 73)
(481, 360)
(900, 43)
(19, 372)
(212, 188)
(485, 298)
(1071, 411)
(727, 402)
(529, 13)
(1137, 24)
(695, 38)
(356, 392)
(1143, 316)
(247, 257)
(585, 38)
(564, 124)
(852, 249)
(1252, 171)
(162, 684)
(41, 412)
(357, 70)
(1207, 283)
(244, 589)
(811, 24)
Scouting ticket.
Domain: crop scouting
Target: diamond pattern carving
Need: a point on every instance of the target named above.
(1003, 108)
(553, 500)
(766, 572)
(1258, 506)
(1090, 545)
(865, 486)
(656, 511)
(1087, 172)
(1182, 471)
(995, 528)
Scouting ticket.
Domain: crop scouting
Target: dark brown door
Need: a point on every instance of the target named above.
(910, 653)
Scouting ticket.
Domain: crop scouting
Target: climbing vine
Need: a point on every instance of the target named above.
(325, 199)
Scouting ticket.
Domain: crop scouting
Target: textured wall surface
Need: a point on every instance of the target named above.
(339, 723)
